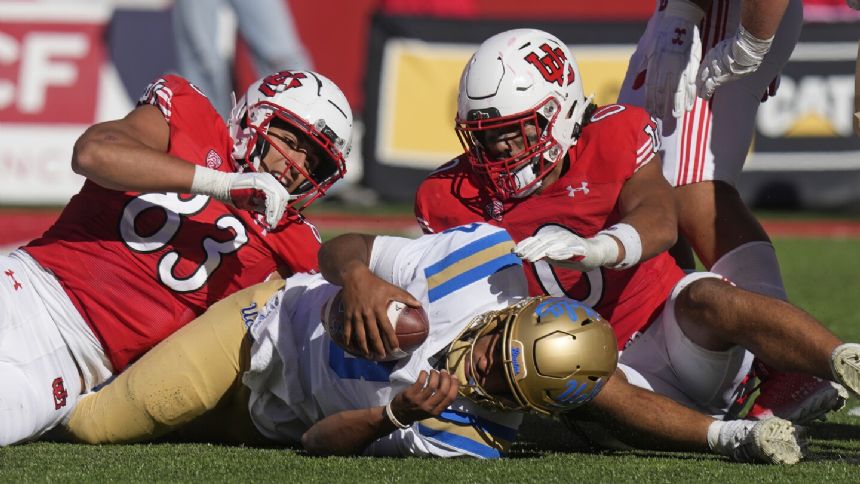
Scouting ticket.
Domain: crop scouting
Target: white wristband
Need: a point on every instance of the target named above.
(685, 9)
(391, 418)
(749, 50)
(629, 238)
(213, 183)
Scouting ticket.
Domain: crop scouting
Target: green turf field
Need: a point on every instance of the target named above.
(821, 276)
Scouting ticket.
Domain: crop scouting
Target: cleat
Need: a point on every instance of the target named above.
(845, 364)
(797, 397)
(769, 441)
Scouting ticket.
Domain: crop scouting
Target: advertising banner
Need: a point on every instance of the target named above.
(414, 67)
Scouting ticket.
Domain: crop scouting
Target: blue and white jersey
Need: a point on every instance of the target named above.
(298, 375)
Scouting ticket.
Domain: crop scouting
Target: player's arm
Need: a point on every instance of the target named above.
(130, 154)
(351, 431)
(761, 18)
(647, 227)
(648, 205)
(346, 261)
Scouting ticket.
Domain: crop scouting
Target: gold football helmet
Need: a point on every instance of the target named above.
(557, 354)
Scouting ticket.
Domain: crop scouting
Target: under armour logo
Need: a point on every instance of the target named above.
(280, 82)
(16, 285)
(571, 192)
(680, 33)
(551, 66)
(60, 393)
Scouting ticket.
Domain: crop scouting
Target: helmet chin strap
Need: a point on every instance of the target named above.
(576, 120)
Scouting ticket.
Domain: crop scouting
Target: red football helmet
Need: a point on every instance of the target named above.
(525, 84)
(307, 102)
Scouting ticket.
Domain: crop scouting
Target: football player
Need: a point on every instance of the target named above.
(491, 354)
(178, 210)
(580, 189)
(729, 53)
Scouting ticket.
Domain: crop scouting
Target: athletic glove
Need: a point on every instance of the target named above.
(730, 60)
(255, 192)
(563, 248)
(672, 64)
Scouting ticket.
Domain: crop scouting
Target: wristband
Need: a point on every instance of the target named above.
(391, 418)
(748, 49)
(685, 9)
(629, 238)
(213, 183)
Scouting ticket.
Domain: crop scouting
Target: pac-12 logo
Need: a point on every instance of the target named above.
(280, 82)
(551, 65)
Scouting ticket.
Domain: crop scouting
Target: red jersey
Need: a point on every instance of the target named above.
(140, 266)
(618, 141)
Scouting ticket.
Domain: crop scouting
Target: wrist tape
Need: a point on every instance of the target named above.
(748, 50)
(629, 238)
(213, 183)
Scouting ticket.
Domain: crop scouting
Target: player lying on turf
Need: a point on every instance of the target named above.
(179, 210)
(579, 188)
(287, 381)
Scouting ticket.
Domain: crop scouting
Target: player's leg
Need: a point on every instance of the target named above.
(716, 315)
(39, 380)
(195, 26)
(270, 30)
(708, 150)
(179, 380)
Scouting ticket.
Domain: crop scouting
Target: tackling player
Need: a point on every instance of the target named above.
(178, 211)
(581, 191)
(742, 45)
(505, 353)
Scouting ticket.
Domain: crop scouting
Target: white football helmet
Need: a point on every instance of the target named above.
(520, 78)
(306, 101)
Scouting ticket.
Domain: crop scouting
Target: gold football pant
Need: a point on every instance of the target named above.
(190, 380)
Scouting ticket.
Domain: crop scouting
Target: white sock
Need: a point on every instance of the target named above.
(714, 434)
(753, 266)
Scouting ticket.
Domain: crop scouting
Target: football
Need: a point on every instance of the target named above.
(411, 326)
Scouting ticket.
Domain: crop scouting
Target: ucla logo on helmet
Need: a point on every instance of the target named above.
(558, 306)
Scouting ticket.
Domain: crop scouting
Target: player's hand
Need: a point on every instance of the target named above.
(563, 248)
(428, 397)
(730, 60)
(366, 327)
(771, 90)
(672, 64)
(259, 192)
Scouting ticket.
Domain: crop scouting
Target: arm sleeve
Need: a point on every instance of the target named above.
(169, 92)
(384, 258)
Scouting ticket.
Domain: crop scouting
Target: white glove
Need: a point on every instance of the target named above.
(565, 249)
(256, 192)
(855, 4)
(670, 82)
(730, 60)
